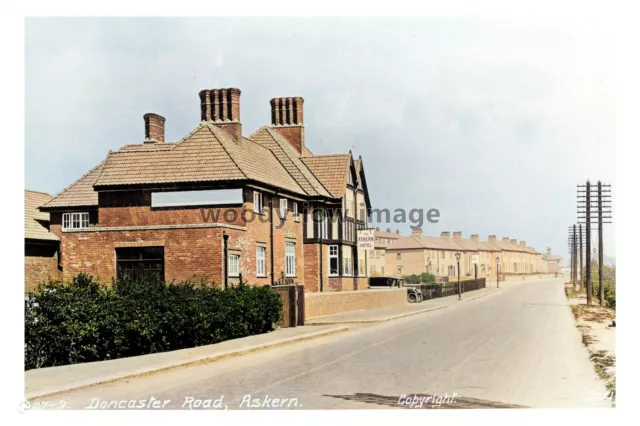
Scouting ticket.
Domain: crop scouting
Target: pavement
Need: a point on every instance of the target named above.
(53, 380)
(517, 347)
(368, 316)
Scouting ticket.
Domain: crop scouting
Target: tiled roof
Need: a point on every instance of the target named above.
(290, 159)
(79, 193)
(429, 243)
(331, 170)
(472, 245)
(36, 223)
(385, 234)
(205, 155)
(507, 246)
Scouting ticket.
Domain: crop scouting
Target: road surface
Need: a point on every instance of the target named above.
(515, 347)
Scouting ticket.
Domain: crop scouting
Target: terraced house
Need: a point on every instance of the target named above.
(436, 255)
(218, 206)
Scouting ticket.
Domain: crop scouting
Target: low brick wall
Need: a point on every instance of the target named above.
(318, 304)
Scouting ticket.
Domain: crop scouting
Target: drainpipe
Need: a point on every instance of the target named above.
(271, 237)
(318, 229)
(225, 242)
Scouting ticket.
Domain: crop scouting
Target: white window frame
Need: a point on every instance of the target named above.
(261, 262)
(290, 259)
(258, 205)
(284, 206)
(296, 214)
(70, 219)
(334, 254)
(234, 265)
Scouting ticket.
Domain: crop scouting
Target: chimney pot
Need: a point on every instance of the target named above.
(222, 108)
(492, 237)
(153, 127)
(287, 119)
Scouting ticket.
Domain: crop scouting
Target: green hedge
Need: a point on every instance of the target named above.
(423, 278)
(86, 321)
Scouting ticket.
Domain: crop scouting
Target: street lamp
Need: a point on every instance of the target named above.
(458, 254)
(498, 270)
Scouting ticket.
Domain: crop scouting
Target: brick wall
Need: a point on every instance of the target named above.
(192, 249)
(40, 264)
(317, 304)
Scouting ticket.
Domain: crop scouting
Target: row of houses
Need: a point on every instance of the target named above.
(215, 206)
(397, 255)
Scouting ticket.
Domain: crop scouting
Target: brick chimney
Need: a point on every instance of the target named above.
(153, 128)
(398, 231)
(514, 241)
(287, 118)
(523, 243)
(457, 235)
(475, 237)
(505, 239)
(222, 108)
(548, 251)
(445, 234)
(378, 228)
(492, 237)
(388, 229)
(416, 232)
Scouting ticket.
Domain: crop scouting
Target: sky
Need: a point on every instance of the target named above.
(492, 122)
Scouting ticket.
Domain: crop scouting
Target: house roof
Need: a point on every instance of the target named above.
(332, 171)
(36, 222)
(290, 159)
(472, 245)
(429, 243)
(79, 193)
(207, 154)
(507, 246)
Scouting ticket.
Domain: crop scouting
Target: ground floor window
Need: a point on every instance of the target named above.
(234, 265)
(140, 263)
(333, 261)
(347, 261)
(261, 266)
(290, 259)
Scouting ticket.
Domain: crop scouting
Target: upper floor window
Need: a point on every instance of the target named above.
(284, 207)
(296, 214)
(75, 220)
(398, 256)
(257, 202)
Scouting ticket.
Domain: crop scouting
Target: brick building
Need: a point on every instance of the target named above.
(218, 206)
(436, 255)
(40, 245)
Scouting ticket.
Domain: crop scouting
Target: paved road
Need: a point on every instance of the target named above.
(518, 346)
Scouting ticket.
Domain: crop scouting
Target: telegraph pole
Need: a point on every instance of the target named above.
(581, 265)
(585, 204)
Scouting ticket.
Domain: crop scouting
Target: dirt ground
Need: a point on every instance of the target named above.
(598, 335)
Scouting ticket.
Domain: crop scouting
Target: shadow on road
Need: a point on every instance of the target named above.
(393, 401)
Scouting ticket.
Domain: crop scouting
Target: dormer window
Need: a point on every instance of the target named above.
(77, 220)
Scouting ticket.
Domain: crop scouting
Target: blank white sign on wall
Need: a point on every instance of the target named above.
(212, 197)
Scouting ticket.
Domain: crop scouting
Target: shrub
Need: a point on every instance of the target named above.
(85, 321)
